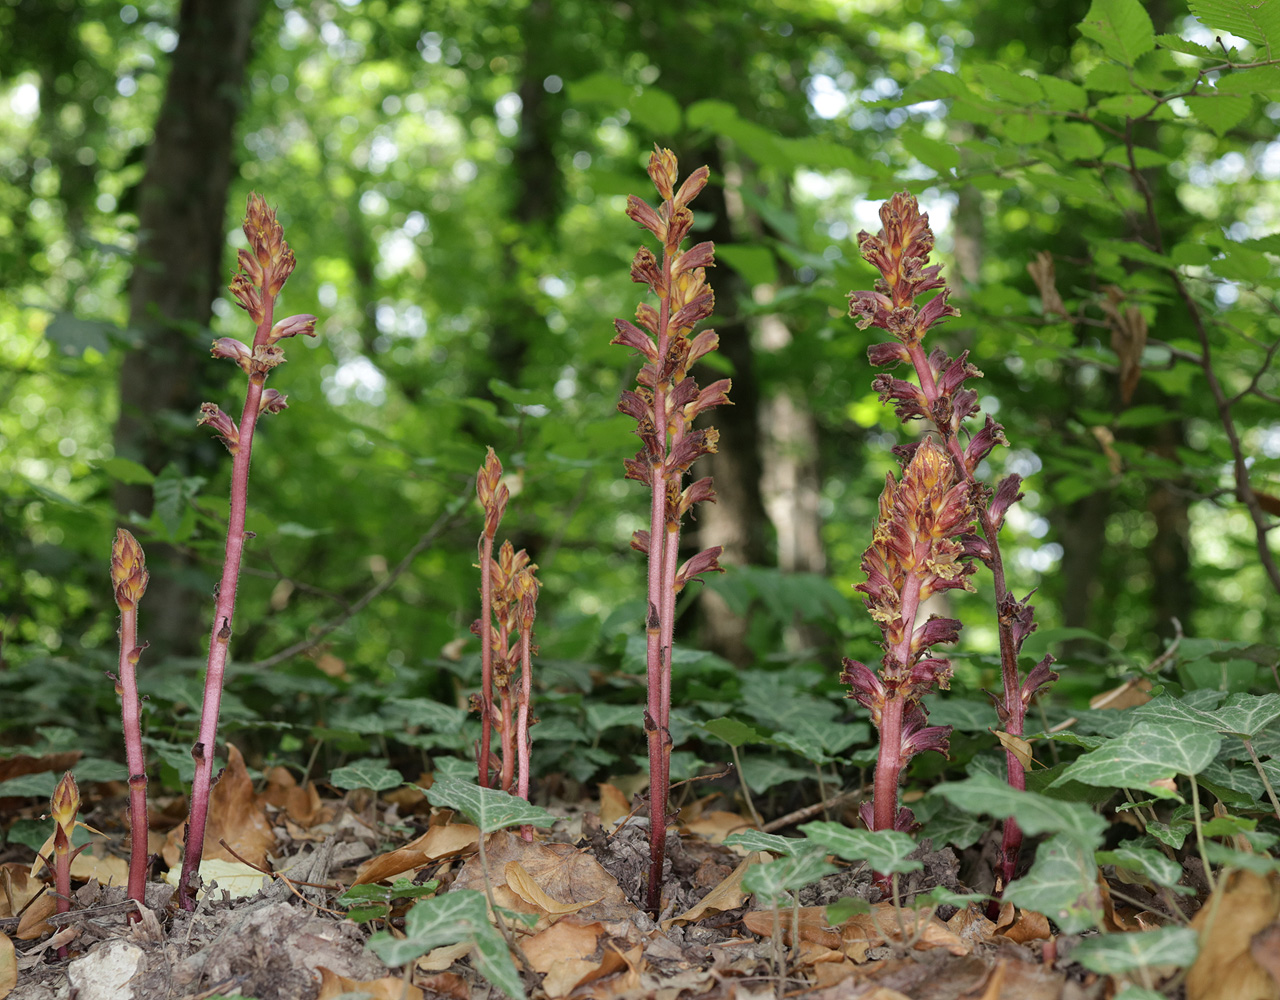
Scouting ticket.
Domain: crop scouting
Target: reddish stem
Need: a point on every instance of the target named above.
(486, 657)
(522, 723)
(131, 718)
(220, 635)
(888, 764)
(1011, 845)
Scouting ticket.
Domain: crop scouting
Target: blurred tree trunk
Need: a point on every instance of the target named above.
(737, 520)
(182, 207)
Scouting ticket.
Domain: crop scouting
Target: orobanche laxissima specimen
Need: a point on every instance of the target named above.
(924, 535)
(664, 405)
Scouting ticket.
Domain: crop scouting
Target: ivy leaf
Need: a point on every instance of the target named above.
(487, 808)
(1246, 715)
(1145, 861)
(1061, 885)
(372, 774)
(773, 880)
(987, 794)
(884, 850)
(456, 916)
(1143, 756)
(733, 732)
(762, 773)
(1122, 27)
(1112, 954)
(755, 840)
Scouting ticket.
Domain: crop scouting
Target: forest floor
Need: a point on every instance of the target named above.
(586, 933)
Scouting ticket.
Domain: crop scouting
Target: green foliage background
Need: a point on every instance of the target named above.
(466, 252)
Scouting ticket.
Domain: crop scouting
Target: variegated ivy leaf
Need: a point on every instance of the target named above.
(487, 808)
(1145, 861)
(986, 794)
(1112, 954)
(1247, 715)
(371, 774)
(455, 917)
(884, 850)
(1145, 755)
(755, 840)
(773, 881)
(1061, 884)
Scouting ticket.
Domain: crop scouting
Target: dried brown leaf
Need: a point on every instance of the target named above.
(437, 843)
(1042, 273)
(333, 985)
(728, 895)
(523, 885)
(1243, 905)
(613, 804)
(8, 966)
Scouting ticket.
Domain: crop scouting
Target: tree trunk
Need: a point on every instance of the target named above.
(182, 205)
(737, 520)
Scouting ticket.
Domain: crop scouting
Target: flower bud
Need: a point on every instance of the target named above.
(65, 804)
(128, 570)
(273, 401)
(223, 425)
(235, 350)
(303, 323)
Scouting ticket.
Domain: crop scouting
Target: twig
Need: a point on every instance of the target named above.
(808, 812)
(446, 519)
(289, 883)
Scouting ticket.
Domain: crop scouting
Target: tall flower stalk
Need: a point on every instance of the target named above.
(263, 269)
(664, 405)
(900, 252)
(508, 599)
(129, 578)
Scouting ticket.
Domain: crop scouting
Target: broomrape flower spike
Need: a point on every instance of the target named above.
(63, 806)
(129, 577)
(930, 519)
(664, 405)
(263, 268)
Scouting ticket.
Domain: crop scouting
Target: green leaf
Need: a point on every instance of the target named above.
(73, 336)
(733, 732)
(372, 774)
(1122, 27)
(842, 909)
(1229, 857)
(755, 263)
(959, 829)
(656, 111)
(1144, 755)
(1112, 954)
(601, 717)
(1258, 22)
(934, 154)
(460, 915)
(763, 773)
(986, 794)
(1063, 95)
(884, 850)
(965, 715)
(773, 881)
(1246, 715)
(819, 740)
(1219, 113)
(487, 808)
(754, 840)
(1145, 861)
(1177, 43)
(1061, 884)
(1077, 141)
(1243, 264)
(1127, 105)
(1247, 82)
(127, 471)
(173, 494)
(1008, 85)
(30, 786)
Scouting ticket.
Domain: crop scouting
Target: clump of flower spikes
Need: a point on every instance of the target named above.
(664, 405)
(508, 607)
(900, 252)
(920, 548)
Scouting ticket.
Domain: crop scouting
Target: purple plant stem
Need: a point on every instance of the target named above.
(220, 634)
(658, 630)
(888, 764)
(522, 724)
(1011, 845)
(486, 657)
(131, 717)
